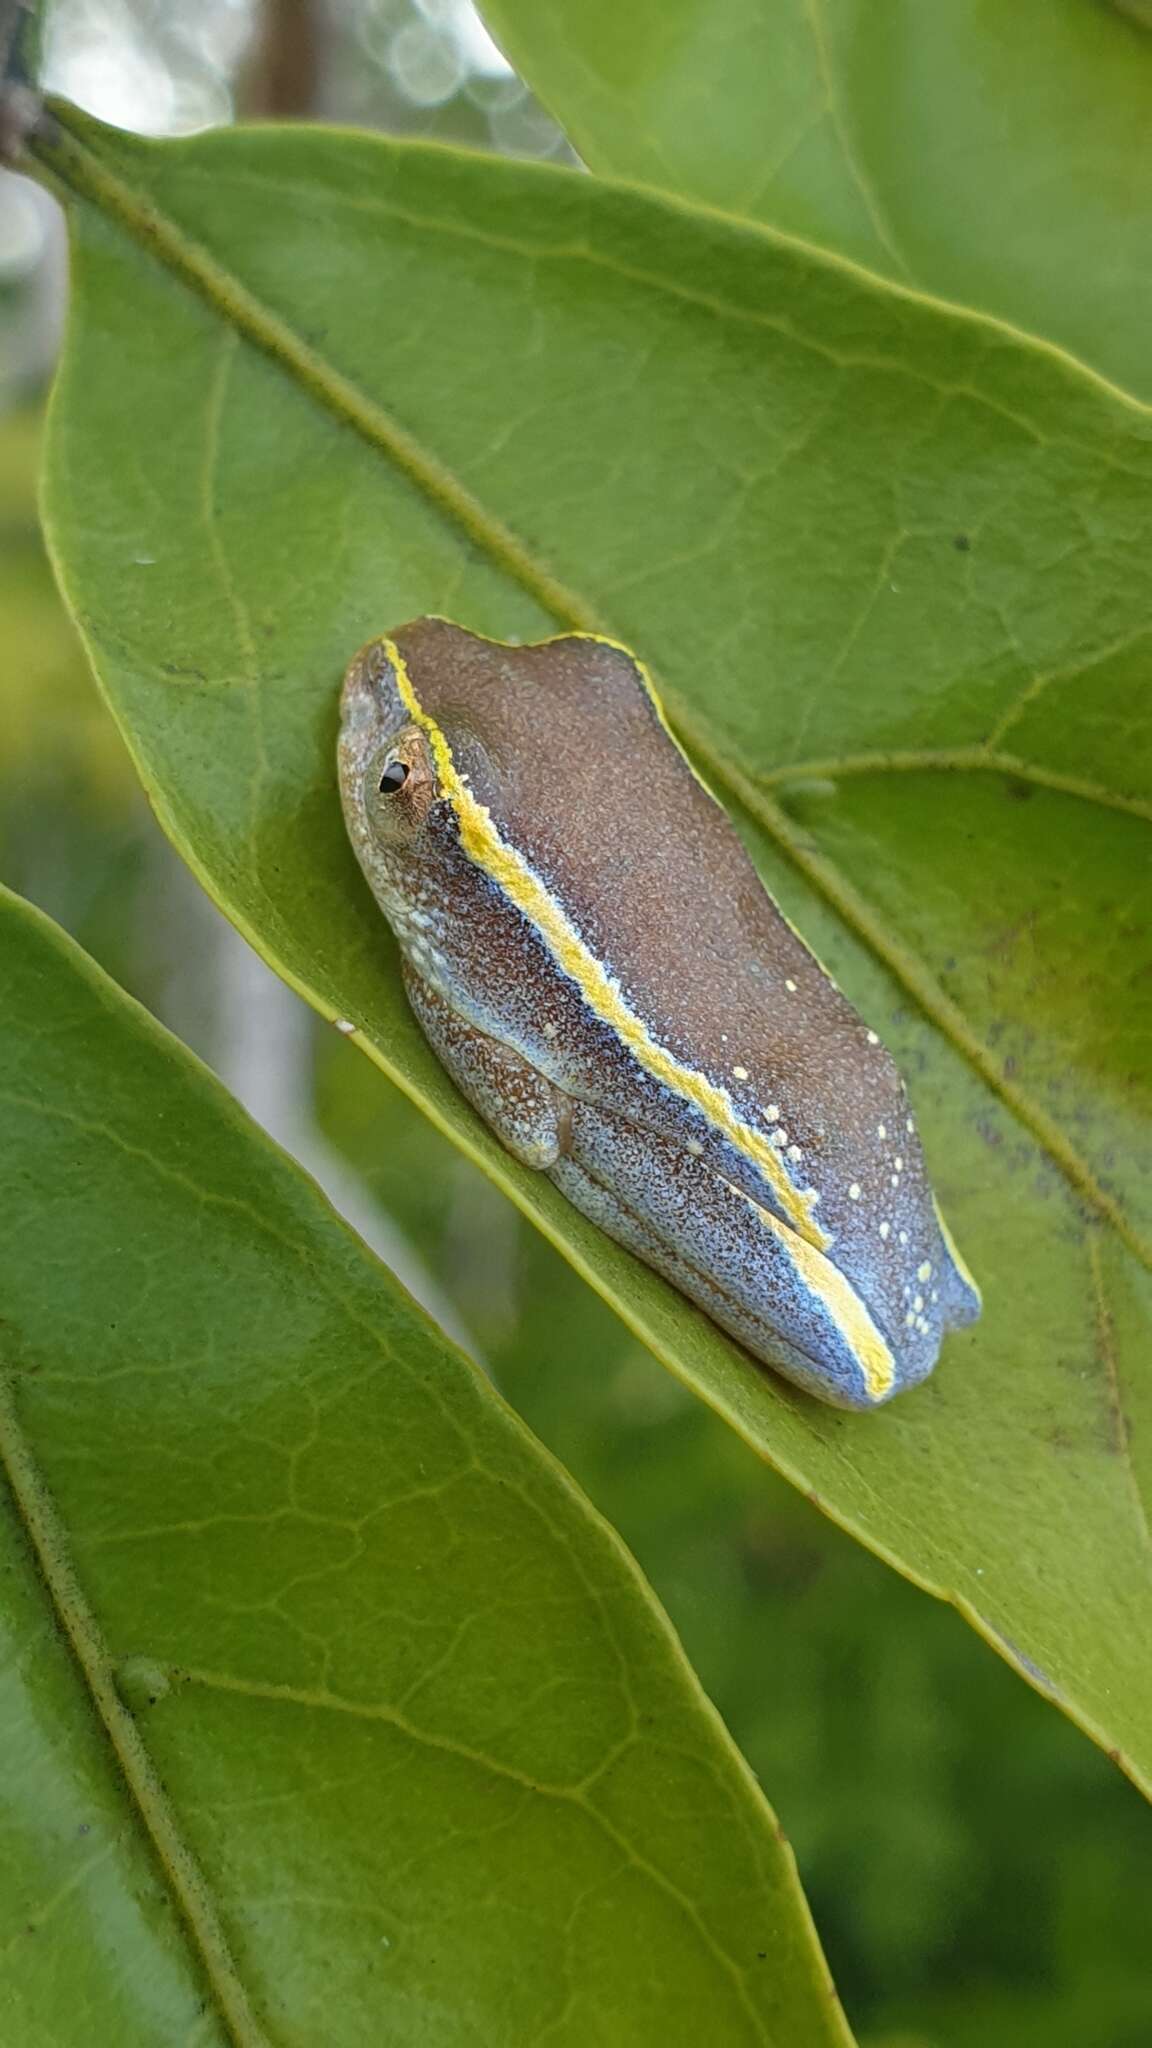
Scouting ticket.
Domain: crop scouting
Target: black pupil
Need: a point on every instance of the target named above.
(394, 777)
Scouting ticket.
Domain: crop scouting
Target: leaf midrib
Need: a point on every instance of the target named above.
(49, 1546)
(66, 160)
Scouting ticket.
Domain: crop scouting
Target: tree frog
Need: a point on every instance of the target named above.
(590, 952)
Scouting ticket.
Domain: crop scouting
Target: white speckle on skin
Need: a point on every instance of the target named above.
(924, 1272)
(898, 1163)
(881, 1130)
(884, 1229)
(772, 1113)
(918, 1304)
(739, 1073)
(790, 985)
(344, 1025)
(895, 1180)
(909, 1126)
(872, 1038)
(780, 1137)
(935, 1294)
(695, 1147)
(794, 1152)
(909, 1321)
(903, 1236)
(854, 1192)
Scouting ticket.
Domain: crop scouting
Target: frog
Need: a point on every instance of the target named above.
(590, 952)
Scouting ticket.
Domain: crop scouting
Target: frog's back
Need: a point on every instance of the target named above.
(646, 895)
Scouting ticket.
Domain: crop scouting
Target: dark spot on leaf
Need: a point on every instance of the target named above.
(961, 543)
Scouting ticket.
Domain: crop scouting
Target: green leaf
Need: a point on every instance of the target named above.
(330, 1709)
(1000, 156)
(894, 569)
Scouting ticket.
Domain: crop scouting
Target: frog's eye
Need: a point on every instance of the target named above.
(394, 777)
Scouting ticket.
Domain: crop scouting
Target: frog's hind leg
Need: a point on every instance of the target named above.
(529, 1115)
(598, 1201)
(657, 1198)
(783, 1301)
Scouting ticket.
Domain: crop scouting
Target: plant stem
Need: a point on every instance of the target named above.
(21, 35)
(20, 43)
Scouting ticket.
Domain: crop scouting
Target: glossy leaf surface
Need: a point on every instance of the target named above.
(892, 566)
(998, 156)
(329, 1709)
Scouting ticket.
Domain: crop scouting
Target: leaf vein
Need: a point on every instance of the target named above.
(566, 1795)
(1122, 1435)
(955, 760)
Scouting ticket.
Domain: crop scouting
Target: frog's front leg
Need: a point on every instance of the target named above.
(528, 1113)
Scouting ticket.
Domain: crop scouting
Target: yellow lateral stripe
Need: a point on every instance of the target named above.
(510, 871)
(842, 1302)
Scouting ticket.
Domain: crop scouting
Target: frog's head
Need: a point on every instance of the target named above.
(388, 780)
(436, 725)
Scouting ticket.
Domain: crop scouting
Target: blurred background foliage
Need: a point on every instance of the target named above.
(978, 1872)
